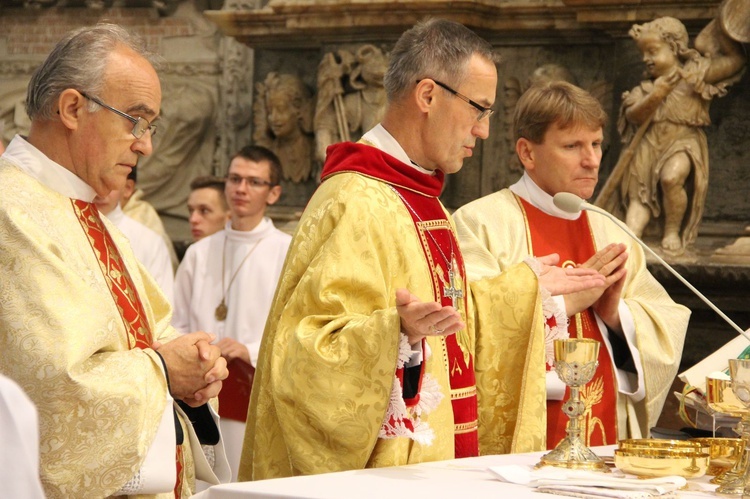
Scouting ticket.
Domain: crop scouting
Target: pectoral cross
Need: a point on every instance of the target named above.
(451, 291)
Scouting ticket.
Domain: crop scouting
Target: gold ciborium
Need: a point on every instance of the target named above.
(575, 364)
(738, 481)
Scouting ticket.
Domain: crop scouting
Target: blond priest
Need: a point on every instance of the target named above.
(559, 136)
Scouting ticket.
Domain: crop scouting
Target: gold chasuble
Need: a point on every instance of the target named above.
(572, 240)
(99, 388)
(495, 234)
(328, 393)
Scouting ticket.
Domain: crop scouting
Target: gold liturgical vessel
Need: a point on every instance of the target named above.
(575, 364)
(738, 482)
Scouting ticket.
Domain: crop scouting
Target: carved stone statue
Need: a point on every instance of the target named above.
(351, 97)
(282, 116)
(664, 162)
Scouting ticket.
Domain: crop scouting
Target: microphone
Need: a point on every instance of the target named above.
(571, 203)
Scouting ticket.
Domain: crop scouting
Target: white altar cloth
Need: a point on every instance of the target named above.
(466, 477)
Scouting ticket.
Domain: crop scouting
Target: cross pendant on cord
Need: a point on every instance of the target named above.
(451, 291)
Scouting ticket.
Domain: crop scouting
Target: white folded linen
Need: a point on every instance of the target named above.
(588, 484)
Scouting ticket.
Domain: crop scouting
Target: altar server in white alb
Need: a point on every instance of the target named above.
(84, 330)
(226, 282)
(559, 133)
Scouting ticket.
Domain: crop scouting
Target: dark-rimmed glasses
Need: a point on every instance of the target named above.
(140, 125)
(483, 111)
(255, 182)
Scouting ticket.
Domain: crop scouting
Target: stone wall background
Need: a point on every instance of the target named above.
(216, 55)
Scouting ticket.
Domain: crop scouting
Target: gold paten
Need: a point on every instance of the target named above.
(658, 462)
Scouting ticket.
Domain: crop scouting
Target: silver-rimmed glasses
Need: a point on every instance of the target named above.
(140, 125)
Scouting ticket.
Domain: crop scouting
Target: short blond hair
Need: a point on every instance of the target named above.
(559, 102)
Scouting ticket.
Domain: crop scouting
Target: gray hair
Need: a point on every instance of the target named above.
(78, 61)
(433, 48)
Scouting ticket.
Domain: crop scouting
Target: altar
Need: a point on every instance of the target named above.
(468, 477)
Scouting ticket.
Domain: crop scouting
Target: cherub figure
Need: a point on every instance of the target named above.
(282, 114)
(665, 161)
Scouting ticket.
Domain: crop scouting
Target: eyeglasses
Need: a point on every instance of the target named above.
(483, 111)
(257, 183)
(140, 125)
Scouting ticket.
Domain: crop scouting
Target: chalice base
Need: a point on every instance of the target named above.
(573, 454)
(732, 488)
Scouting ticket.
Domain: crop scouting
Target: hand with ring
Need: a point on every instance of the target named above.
(420, 319)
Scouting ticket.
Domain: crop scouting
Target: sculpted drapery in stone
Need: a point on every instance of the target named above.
(351, 97)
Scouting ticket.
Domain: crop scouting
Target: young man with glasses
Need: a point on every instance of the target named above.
(85, 329)
(368, 359)
(225, 282)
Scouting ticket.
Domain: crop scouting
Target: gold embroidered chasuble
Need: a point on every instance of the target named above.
(326, 367)
(99, 401)
(492, 233)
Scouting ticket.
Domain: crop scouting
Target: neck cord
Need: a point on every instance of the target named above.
(222, 309)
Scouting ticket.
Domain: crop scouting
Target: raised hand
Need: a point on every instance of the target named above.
(563, 281)
(420, 319)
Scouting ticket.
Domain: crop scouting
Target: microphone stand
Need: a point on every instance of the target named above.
(619, 223)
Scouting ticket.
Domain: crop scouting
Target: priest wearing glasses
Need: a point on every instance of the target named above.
(122, 396)
(368, 355)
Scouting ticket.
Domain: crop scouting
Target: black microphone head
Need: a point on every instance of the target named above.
(569, 202)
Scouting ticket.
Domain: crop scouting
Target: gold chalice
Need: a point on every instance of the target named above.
(736, 483)
(575, 364)
(720, 398)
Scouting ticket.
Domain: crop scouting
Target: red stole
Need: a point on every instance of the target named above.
(439, 243)
(122, 289)
(421, 192)
(573, 241)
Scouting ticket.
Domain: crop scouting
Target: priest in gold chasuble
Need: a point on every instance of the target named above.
(641, 329)
(367, 359)
(84, 328)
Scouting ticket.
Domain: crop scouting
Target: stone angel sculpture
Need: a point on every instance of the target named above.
(662, 172)
(351, 96)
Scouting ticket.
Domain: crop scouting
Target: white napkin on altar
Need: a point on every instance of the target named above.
(588, 484)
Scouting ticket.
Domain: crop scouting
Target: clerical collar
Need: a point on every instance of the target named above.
(257, 232)
(528, 190)
(381, 138)
(34, 163)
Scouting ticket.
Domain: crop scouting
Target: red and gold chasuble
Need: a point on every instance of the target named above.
(420, 192)
(573, 241)
(123, 291)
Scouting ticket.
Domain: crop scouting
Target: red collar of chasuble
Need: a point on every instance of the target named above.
(372, 162)
(116, 274)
